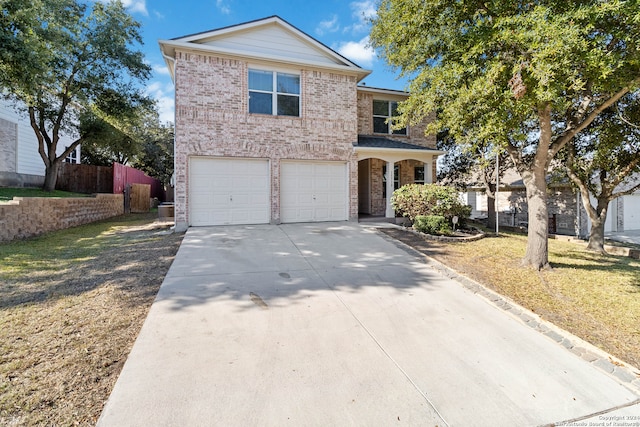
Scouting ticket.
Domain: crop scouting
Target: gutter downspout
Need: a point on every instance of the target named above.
(172, 68)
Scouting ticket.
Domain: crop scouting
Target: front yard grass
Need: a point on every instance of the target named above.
(71, 305)
(597, 298)
(8, 193)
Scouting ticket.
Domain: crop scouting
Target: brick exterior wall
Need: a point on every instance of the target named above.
(415, 134)
(31, 216)
(561, 202)
(212, 119)
(378, 202)
(8, 145)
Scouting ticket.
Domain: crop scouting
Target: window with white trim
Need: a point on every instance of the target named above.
(383, 113)
(274, 93)
(72, 157)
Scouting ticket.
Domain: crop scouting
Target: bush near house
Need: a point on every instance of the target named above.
(413, 200)
(432, 224)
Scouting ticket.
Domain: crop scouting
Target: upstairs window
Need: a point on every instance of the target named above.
(274, 93)
(383, 111)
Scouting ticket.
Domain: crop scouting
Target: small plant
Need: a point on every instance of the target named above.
(413, 200)
(432, 224)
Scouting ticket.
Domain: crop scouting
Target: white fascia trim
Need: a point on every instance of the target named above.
(399, 93)
(170, 61)
(171, 45)
(428, 151)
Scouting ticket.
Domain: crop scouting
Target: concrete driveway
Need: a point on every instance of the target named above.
(629, 236)
(334, 324)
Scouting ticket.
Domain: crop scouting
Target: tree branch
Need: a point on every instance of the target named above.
(582, 187)
(626, 192)
(70, 148)
(571, 131)
(622, 174)
(36, 130)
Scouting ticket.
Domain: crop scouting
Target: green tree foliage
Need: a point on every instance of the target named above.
(138, 139)
(525, 76)
(413, 200)
(156, 152)
(604, 161)
(63, 58)
(103, 143)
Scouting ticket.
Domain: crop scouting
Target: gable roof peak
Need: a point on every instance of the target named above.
(269, 39)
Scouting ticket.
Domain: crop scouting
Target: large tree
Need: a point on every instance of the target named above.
(603, 161)
(527, 76)
(61, 58)
(118, 136)
(156, 151)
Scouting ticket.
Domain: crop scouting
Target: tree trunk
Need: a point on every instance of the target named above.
(596, 236)
(537, 252)
(491, 212)
(51, 175)
(598, 218)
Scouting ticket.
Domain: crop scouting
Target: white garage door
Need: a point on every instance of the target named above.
(632, 212)
(228, 191)
(313, 191)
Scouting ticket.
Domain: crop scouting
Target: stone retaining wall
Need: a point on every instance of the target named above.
(31, 216)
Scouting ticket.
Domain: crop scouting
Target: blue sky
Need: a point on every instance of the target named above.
(341, 25)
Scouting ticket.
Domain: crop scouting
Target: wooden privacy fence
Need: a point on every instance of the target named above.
(123, 175)
(139, 197)
(105, 179)
(85, 178)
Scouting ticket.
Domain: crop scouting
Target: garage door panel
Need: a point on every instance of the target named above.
(228, 191)
(313, 191)
(631, 212)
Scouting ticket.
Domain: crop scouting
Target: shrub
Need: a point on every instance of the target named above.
(432, 224)
(413, 200)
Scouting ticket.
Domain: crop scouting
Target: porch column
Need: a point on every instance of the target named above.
(428, 172)
(389, 213)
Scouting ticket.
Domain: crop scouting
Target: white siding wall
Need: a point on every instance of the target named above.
(28, 159)
(271, 40)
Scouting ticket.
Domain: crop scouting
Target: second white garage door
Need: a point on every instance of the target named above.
(632, 212)
(228, 191)
(313, 191)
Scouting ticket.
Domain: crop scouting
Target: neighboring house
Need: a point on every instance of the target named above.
(566, 211)
(20, 162)
(272, 127)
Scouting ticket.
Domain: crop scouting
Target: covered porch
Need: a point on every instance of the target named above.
(385, 165)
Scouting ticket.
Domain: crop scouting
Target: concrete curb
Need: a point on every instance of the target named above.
(428, 237)
(623, 372)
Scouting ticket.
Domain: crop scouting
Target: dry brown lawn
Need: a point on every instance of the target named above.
(595, 297)
(71, 305)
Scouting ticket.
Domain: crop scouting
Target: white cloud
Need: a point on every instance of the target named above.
(136, 6)
(163, 94)
(363, 12)
(161, 69)
(328, 26)
(223, 7)
(359, 52)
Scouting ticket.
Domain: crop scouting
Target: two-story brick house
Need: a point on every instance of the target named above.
(271, 127)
